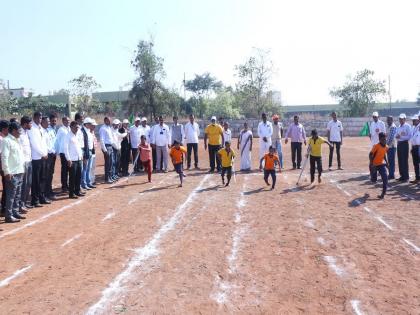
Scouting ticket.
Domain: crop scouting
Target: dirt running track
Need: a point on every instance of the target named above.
(140, 248)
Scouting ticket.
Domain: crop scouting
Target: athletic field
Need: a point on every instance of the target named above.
(140, 248)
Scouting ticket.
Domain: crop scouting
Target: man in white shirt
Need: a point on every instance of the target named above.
(87, 150)
(265, 131)
(51, 135)
(276, 137)
(297, 134)
(161, 142)
(74, 157)
(403, 136)
(376, 126)
(116, 148)
(154, 156)
(192, 132)
(59, 148)
(177, 131)
(227, 133)
(26, 124)
(415, 148)
(106, 138)
(136, 131)
(39, 153)
(335, 137)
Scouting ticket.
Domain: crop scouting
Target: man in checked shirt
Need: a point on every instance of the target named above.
(391, 130)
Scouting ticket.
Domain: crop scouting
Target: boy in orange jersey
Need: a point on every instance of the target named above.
(379, 163)
(177, 155)
(270, 161)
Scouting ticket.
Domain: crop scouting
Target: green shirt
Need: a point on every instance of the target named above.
(12, 159)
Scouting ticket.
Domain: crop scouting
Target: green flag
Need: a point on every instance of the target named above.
(365, 130)
(131, 119)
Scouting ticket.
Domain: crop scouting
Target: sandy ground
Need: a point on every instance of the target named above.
(140, 248)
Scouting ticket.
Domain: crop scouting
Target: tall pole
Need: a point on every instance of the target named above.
(183, 83)
(389, 91)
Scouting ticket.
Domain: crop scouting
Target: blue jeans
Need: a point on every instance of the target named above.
(391, 161)
(86, 170)
(374, 176)
(13, 189)
(278, 147)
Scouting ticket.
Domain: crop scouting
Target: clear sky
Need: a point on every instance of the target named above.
(314, 44)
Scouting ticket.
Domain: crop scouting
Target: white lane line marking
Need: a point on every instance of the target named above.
(17, 273)
(347, 193)
(333, 265)
(310, 223)
(221, 296)
(355, 304)
(417, 249)
(383, 222)
(71, 240)
(141, 255)
(109, 216)
(367, 209)
(46, 216)
(236, 239)
(321, 241)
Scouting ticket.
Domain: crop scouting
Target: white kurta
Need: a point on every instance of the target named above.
(245, 144)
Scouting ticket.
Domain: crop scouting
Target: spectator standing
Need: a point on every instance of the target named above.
(135, 133)
(227, 133)
(376, 126)
(161, 140)
(192, 132)
(415, 148)
(276, 138)
(106, 138)
(94, 151)
(74, 157)
(403, 136)
(214, 134)
(26, 124)
(265, 131)
(39, 152)
(154, 156)
(296, 133)
(51, 137)
(116, 147)
(177, 132)
(4, 131)
(125, 149)
(391, 131)
(59, 147)
(13, 163)
(335, 137)
(87, 151)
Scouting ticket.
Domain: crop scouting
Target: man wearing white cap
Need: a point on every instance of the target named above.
(403, 136)
(135, 133)
(87, 149)
(376, 126)
(125, 149)
(214, 134)
(119, 135)
(415, 147)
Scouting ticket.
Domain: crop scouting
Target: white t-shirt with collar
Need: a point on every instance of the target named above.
(335, 128)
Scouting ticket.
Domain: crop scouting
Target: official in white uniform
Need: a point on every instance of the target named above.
(265, 131)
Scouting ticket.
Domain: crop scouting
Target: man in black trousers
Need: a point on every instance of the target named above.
(74, 157)
(61, 136)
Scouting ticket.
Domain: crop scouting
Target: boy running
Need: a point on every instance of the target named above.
(177, 155)
(271, 160)
(316, 154)
(379, 163)
(146, 156)
(226, 155)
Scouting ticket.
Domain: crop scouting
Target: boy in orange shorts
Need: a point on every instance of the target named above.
(177, 155)
(379, 163)
(270, 161)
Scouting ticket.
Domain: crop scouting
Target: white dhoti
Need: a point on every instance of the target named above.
(245, 145)
(264, 146)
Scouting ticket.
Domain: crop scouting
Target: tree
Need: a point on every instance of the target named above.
(202, 86)
(359, 93)
(224, 104)
(254, 82)
(147, 85)
(81, 91)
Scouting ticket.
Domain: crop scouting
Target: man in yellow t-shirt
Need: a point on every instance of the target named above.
(226, 155)
(213, 134)
(315, 143)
